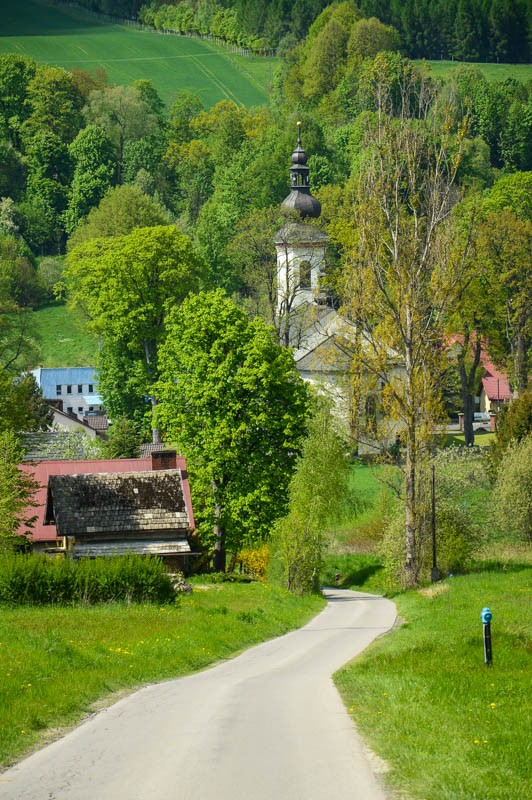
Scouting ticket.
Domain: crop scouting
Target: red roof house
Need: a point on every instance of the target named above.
(495, 388)
(135, 505)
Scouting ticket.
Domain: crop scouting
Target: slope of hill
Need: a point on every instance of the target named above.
(63, 338)
(69, 38)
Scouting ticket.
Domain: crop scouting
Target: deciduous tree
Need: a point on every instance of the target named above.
(128, 284)
(232, 400)
(402, 271)
(17, 489)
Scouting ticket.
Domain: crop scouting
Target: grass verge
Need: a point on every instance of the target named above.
(449, 727)
(56, 662)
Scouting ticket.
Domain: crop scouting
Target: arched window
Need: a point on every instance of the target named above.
(305, 269)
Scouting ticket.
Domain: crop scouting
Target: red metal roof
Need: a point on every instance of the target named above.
(42, 470)
(497, 388)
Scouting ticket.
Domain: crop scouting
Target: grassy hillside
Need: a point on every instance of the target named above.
(69, 38)
(63, 338)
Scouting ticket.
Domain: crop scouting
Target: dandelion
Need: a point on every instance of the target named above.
(477, 741)
(493, 705)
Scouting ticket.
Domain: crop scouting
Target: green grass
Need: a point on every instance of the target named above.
(449, 727)
(56, 662)
(69, 38)
(493, 72)
(482, 439)
(363, 530)
(63, 338)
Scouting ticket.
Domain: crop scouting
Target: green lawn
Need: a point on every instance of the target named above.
(56, 662)
(63, 338)
(493, 72)
(449, 727)
(69, 38)
(361, 531)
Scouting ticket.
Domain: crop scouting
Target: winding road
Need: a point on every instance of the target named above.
(267, 725)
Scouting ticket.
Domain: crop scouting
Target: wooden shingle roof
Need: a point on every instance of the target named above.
(116, 504)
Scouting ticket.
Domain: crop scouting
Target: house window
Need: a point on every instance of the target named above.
(305, 275)
(80, 388)
(91, 388)
(80, 409)
(69, 389)
(58, 389)
(91, 408)
(69, 410)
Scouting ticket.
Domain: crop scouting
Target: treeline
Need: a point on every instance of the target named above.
(255, 24)
(465, 30)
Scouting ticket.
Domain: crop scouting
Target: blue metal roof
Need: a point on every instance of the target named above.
(49, 378)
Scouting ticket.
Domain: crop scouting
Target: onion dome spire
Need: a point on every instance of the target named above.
(300, 197)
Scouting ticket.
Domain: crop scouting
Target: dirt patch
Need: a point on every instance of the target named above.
(434, 591)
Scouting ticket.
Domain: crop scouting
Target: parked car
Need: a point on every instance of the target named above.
(481, 416)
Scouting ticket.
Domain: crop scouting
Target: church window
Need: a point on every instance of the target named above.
(371, 415)
(305, 275)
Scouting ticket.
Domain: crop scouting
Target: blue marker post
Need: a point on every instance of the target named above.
(486, 617)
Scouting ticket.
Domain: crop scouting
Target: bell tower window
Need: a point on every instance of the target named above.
(305, 275)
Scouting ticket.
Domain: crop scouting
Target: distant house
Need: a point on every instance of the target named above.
(494, 389)
(100, 508)
(74, 390)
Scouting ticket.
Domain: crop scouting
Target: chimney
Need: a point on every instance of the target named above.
(164, 459)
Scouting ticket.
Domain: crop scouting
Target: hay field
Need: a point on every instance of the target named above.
(69, 38)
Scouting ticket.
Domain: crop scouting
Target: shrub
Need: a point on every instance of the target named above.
(514, 423)
(39, 580)
(320, 493)
(255, 561)
(459, 532)
(513, 490)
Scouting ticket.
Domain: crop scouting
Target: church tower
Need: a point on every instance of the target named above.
(300, 248)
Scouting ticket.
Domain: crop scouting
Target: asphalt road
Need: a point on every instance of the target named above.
(268, 725)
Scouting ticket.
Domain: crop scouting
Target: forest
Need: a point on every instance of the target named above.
(464, 30)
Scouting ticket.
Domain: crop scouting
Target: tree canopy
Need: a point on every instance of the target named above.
(232, 401)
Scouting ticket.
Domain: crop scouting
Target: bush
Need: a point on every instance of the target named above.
(514, 423)
(459, 531)
(39, 580)
(513, 490)
(255, 561)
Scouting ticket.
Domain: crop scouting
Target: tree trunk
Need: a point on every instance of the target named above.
(521, 363)
(220, 555)
(468, 387)
(410, 571)
(155, 432)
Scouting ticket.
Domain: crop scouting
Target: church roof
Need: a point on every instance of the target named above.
(300, 198)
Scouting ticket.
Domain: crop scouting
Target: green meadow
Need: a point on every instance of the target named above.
(68, 38)
(448, 726)
(63, 337)
(493, 72)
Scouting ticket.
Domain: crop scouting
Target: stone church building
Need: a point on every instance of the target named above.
(308, 322)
